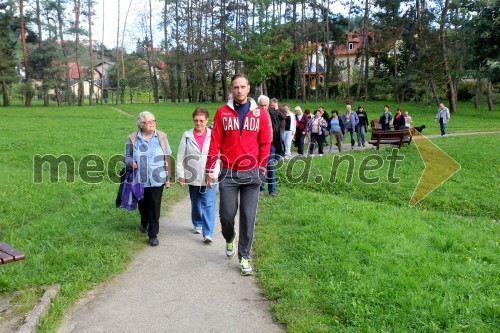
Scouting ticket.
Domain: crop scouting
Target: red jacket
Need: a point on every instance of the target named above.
(239, 150)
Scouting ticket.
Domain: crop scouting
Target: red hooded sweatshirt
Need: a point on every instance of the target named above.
(237, 149)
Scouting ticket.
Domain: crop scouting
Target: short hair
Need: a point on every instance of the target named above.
(239, 76)
(321, 107)
(287, 105)
(399, 109)
(261, 97)
(274, 100)
(317, 111)
(386, 106)
(335, 111)
(201, 112)
(141, 116)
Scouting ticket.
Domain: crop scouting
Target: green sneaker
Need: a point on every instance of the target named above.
(245, 267)
(230, 249)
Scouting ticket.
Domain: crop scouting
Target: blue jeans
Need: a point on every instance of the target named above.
(442, 125)
(270, 172)
(203, 208)
(351, 131)
(361, 134)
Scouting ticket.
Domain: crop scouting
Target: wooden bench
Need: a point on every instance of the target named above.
(390, 137)
(9, 254)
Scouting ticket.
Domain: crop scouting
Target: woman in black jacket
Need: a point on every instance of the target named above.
(399, 120)
(362, 125)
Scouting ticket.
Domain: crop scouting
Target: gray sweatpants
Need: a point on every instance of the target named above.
(247, 183)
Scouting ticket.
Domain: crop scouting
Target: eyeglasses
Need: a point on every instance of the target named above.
(149, 122)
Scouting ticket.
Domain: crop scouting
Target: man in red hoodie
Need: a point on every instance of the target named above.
(241, 140)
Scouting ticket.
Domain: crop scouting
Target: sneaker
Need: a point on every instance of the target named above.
(207, 239)
(197, 230)
(230, 249)
(245, 267)
(320, 154)
(154, 241)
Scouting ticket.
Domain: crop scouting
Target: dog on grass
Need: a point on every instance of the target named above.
(419, 128)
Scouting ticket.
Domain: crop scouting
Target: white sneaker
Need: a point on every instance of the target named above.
(197, 230)
(245, 267)
(207, 239)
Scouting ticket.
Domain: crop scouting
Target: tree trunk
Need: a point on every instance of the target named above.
(81, 92)
(326, 20)
(27, 101)
(476, 95)
(449, 80)
(434, 93)
(117, 66)
(296, 79)
(91, 88)
(490, 96)
(367, 67)
(304, 62)
(102, 56)
(363, 50)
(223, 49)
(60, 23)
(5, 93)
(348, 90)
(39, 23)
(153, 63)
(396, 81)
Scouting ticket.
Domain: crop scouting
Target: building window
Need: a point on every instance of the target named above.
(351, 46)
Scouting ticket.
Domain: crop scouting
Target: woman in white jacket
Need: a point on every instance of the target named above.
(190, 170)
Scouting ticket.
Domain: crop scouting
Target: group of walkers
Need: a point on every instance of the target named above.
(310, 130)
(236, 153)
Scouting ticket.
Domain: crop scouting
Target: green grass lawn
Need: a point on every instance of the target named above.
(350, 257)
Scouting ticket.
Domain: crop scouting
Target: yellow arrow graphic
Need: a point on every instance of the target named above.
(439, 166)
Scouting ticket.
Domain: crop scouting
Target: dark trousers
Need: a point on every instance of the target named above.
(149, 207)
(442, 126)
(316, 137)
(299, 140)
(246, 184)
(270, 172)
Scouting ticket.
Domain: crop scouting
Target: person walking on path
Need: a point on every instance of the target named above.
(443, 117)
(150, 153)
(362, 125)
(290, 128)
(315, 130)
(385, 119)
(263, 102)
(336, 129)
(350, 121)
(302, 124)
(241, 138)
(190, 169)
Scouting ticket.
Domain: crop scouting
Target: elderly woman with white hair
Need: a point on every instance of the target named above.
(148, 150)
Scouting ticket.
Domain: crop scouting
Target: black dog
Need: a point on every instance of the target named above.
(419, 128)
